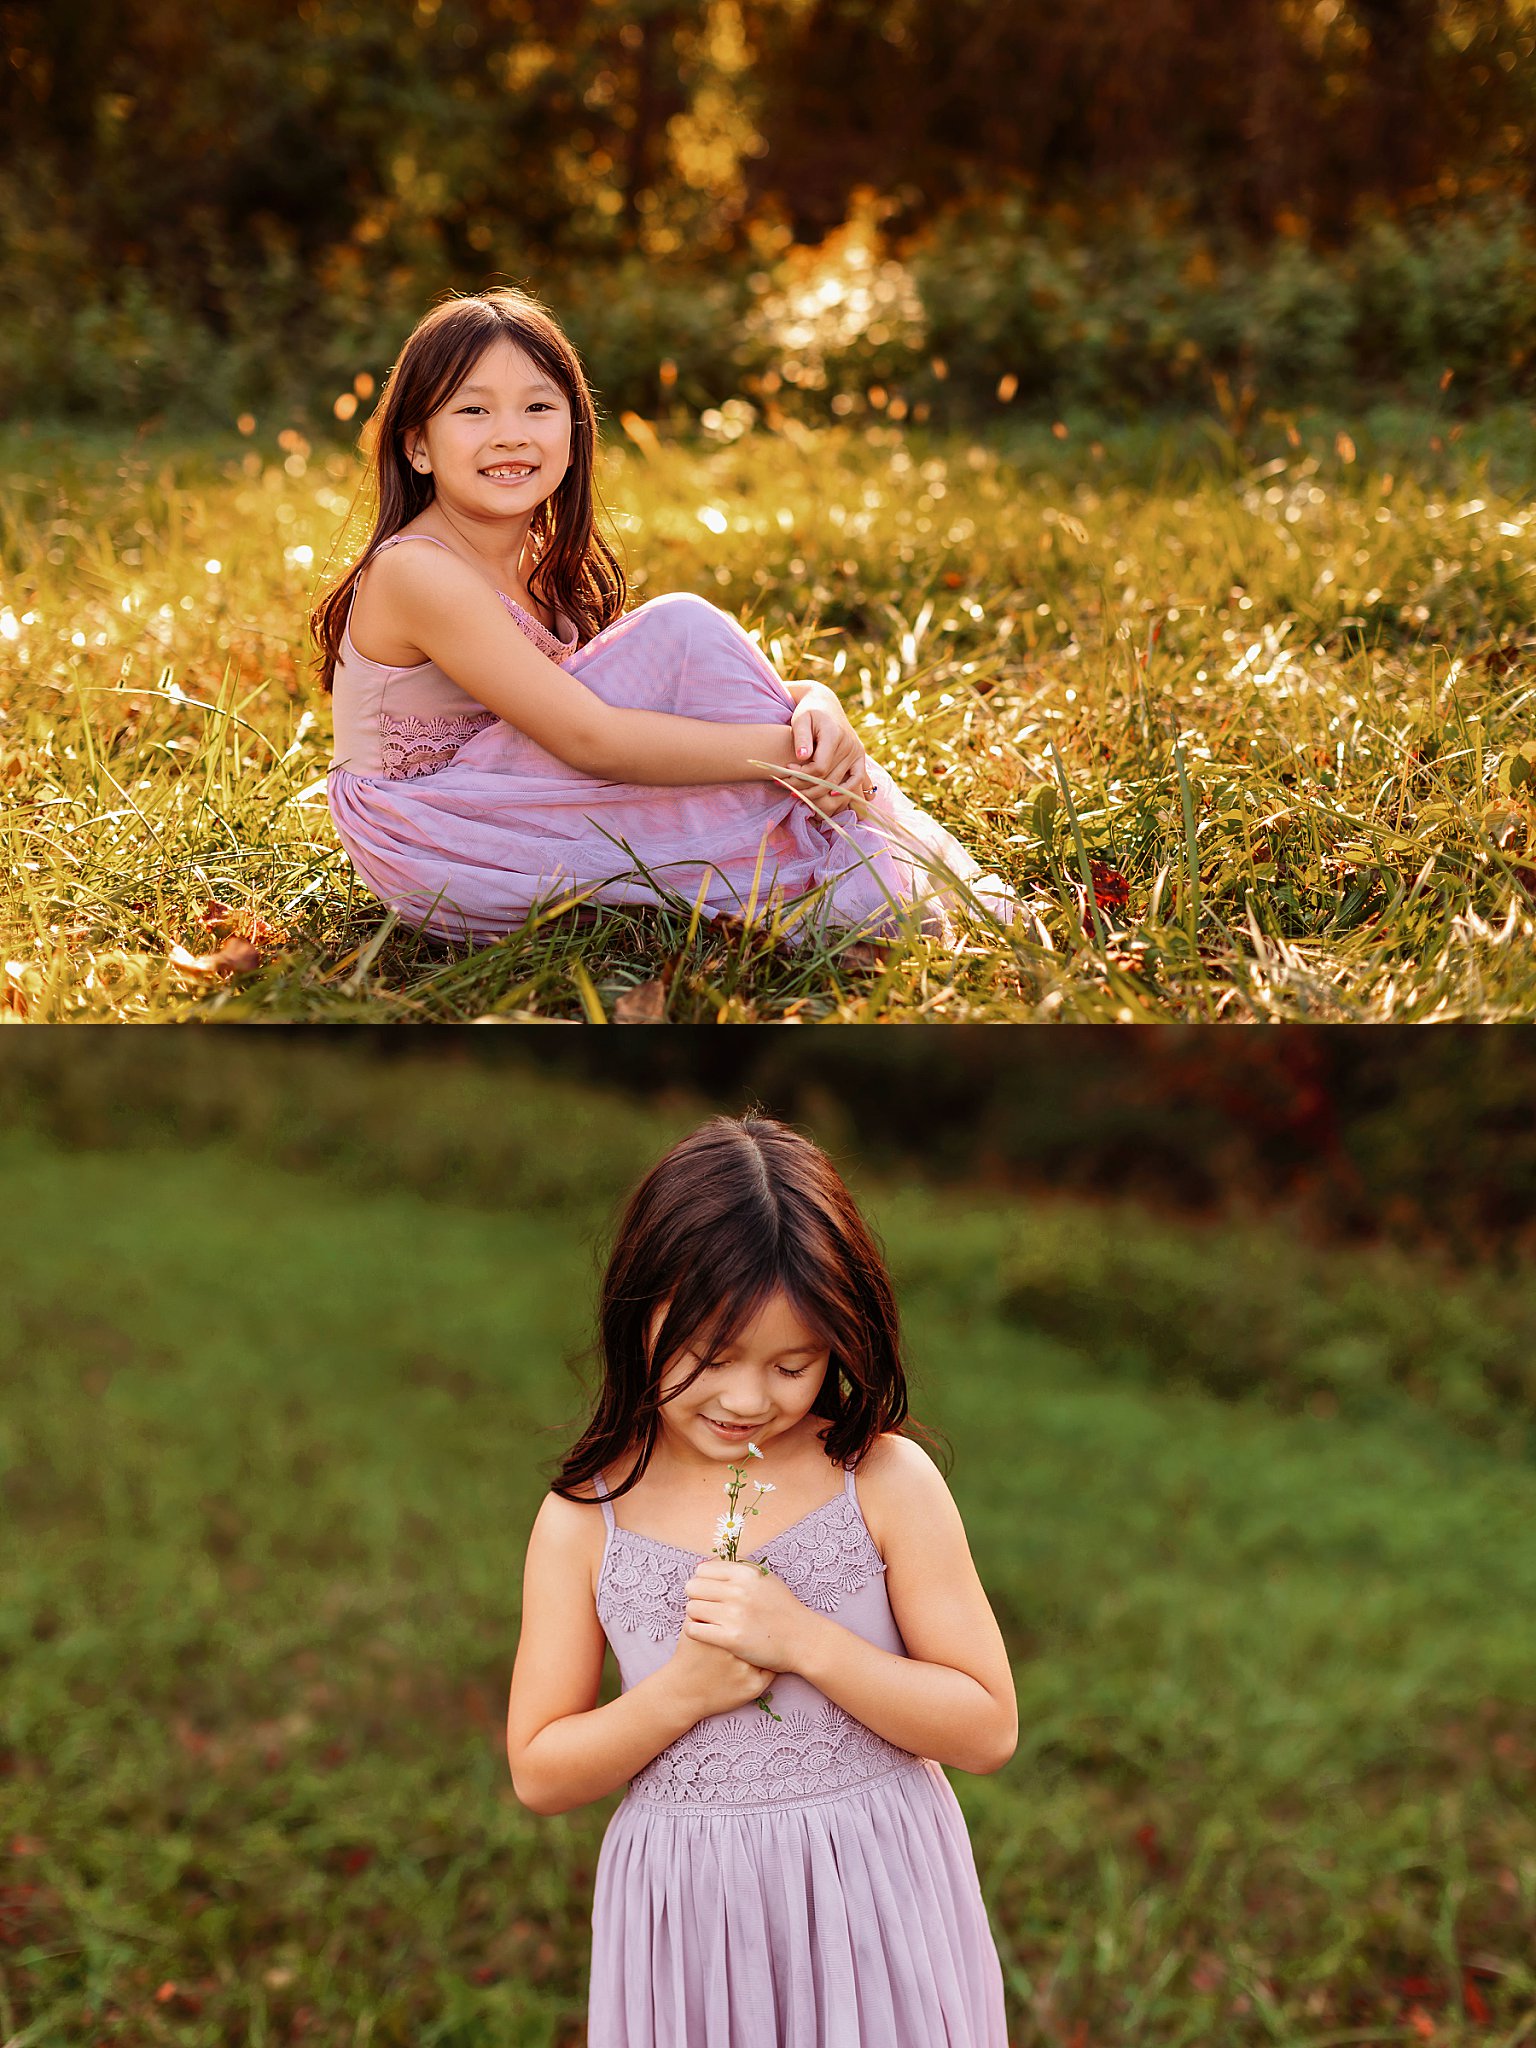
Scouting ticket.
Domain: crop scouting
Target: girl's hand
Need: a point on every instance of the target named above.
(827, 745)
(709, 1680)
(752, 1614)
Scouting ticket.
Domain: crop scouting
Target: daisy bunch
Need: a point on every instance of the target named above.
(728, 1532)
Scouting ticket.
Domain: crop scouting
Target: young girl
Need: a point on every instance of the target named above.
(789, 1867)
(507, 735)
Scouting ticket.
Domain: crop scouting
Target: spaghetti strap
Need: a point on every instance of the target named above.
(396, 538)
(848, 1486)
(597, 1478)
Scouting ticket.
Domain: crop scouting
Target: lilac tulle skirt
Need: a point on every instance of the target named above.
(853, 1922)
(473, 850)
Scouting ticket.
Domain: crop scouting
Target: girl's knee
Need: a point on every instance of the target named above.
(702, 627)
(684, 604)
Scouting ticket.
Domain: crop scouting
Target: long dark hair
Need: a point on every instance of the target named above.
(577, 572)
(742, 1209)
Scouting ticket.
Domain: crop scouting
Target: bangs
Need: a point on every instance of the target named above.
(708, 1308)
(542, 350)
(448, 345)
(446, 354)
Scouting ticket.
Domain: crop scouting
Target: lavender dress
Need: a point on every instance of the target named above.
(464, 825)
(783, 1884)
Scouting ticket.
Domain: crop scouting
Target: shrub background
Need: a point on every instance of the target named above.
(1145, 202)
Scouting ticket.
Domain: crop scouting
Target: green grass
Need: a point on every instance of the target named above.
(1268, 701)
(269, 1449)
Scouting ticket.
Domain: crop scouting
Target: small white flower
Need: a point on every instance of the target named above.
(727, 1527)
(753, 1451)
(765, 1486)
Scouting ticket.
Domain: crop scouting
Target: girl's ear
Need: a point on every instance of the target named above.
(416, 456)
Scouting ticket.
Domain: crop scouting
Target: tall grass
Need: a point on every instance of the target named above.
(271, 1444)
(1248, 724)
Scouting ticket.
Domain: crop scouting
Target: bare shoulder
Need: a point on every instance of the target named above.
(410, 570)
(896, 1463)
(901, 1490)
(563, 1521)
(566, 1541)
(406, 592)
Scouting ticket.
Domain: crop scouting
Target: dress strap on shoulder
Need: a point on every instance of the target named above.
(848, 1485)
(600, 1483)
(396, 538)
(393, 541)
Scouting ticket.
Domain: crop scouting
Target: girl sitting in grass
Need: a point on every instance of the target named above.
(506, 735)
(789, 1868)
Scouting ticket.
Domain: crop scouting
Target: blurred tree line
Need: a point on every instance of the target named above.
(1422, 1137)
(255, 173)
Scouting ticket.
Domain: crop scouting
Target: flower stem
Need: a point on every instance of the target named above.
(729, 1545)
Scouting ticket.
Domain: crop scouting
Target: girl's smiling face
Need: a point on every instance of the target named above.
(501, 443)
(756, 1387)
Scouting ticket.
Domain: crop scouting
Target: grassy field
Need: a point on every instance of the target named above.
(270, 1446)
(1248, 723)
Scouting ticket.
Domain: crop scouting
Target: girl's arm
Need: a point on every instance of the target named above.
(427, 598)
(563, 1749)
(951, 1697)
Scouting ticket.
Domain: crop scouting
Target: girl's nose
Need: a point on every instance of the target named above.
(745, 1404)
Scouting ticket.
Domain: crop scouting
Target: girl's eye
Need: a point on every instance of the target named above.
(471, 408)
(795, 1372)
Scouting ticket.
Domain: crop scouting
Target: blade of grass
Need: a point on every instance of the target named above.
(1083, 866)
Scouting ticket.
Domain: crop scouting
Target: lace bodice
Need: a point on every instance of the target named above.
(824, 1555)
(420, 746)
(743, 1759)
(401, 723)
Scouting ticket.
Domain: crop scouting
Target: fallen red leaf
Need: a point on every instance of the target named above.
(1477, 2007)
(1111, 889)
(1150, 1845)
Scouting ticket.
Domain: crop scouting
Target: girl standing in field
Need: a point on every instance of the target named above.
(788, 1868)
(507, 735)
